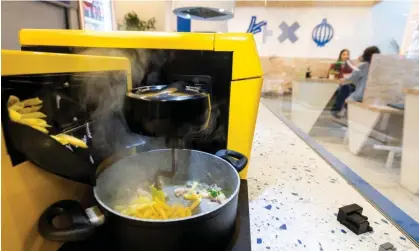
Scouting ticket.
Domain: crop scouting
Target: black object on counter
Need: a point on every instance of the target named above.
(240, 240)
(387, 247)
(351, 217)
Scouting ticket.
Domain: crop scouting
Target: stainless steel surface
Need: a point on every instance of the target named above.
(118, 182)
(158, 182)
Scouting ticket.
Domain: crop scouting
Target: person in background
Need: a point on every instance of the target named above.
(342, 66)
(352, 87)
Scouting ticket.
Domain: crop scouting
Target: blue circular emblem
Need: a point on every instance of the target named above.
(322, 33)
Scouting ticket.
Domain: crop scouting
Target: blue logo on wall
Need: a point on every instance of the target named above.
(322, 33)
(255, 27)
(288, 32)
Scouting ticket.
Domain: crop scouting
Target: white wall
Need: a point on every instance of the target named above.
(352, 29)
(355, 28)
(170, 22)
(16, 15)
(144, 9)
(412, 22)
(389, 22)
(209, 26)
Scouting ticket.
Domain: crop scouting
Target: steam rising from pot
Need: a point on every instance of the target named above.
(104, 96)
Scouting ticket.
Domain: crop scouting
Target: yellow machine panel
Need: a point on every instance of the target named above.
(243, 116)
(118, 39)
(236, 70)
(26, 189)
(246, 62)
(20, 63)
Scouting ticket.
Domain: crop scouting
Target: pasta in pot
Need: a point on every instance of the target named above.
(154, 205)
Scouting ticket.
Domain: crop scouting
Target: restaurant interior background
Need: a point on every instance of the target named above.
(296, 40)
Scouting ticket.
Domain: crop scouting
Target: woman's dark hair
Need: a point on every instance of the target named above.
(368, 52)
(341, 52)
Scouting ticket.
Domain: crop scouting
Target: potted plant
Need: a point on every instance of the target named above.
(133, 23)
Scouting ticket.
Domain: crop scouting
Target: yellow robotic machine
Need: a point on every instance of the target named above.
(226, 65)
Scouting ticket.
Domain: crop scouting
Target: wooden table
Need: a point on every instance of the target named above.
(362, 118)
(410, 156)
(309, 98)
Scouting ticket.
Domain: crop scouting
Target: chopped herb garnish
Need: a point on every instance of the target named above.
(214, 193)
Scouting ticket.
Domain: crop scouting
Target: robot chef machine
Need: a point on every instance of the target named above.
(224, 66)
(188, 91)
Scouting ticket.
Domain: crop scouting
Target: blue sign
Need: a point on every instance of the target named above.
(183, 24)
(288, 32)
(322, 33)
(255, 27)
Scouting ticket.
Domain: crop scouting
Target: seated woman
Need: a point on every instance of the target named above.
(342, 66)
(353, 86)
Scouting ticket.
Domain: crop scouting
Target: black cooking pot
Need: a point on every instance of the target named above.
(167, 110)
(117, 180)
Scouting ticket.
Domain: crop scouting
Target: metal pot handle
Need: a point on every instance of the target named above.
(81, 227)
(236, 159)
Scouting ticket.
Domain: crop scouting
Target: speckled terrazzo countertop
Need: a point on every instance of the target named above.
(295, 196)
